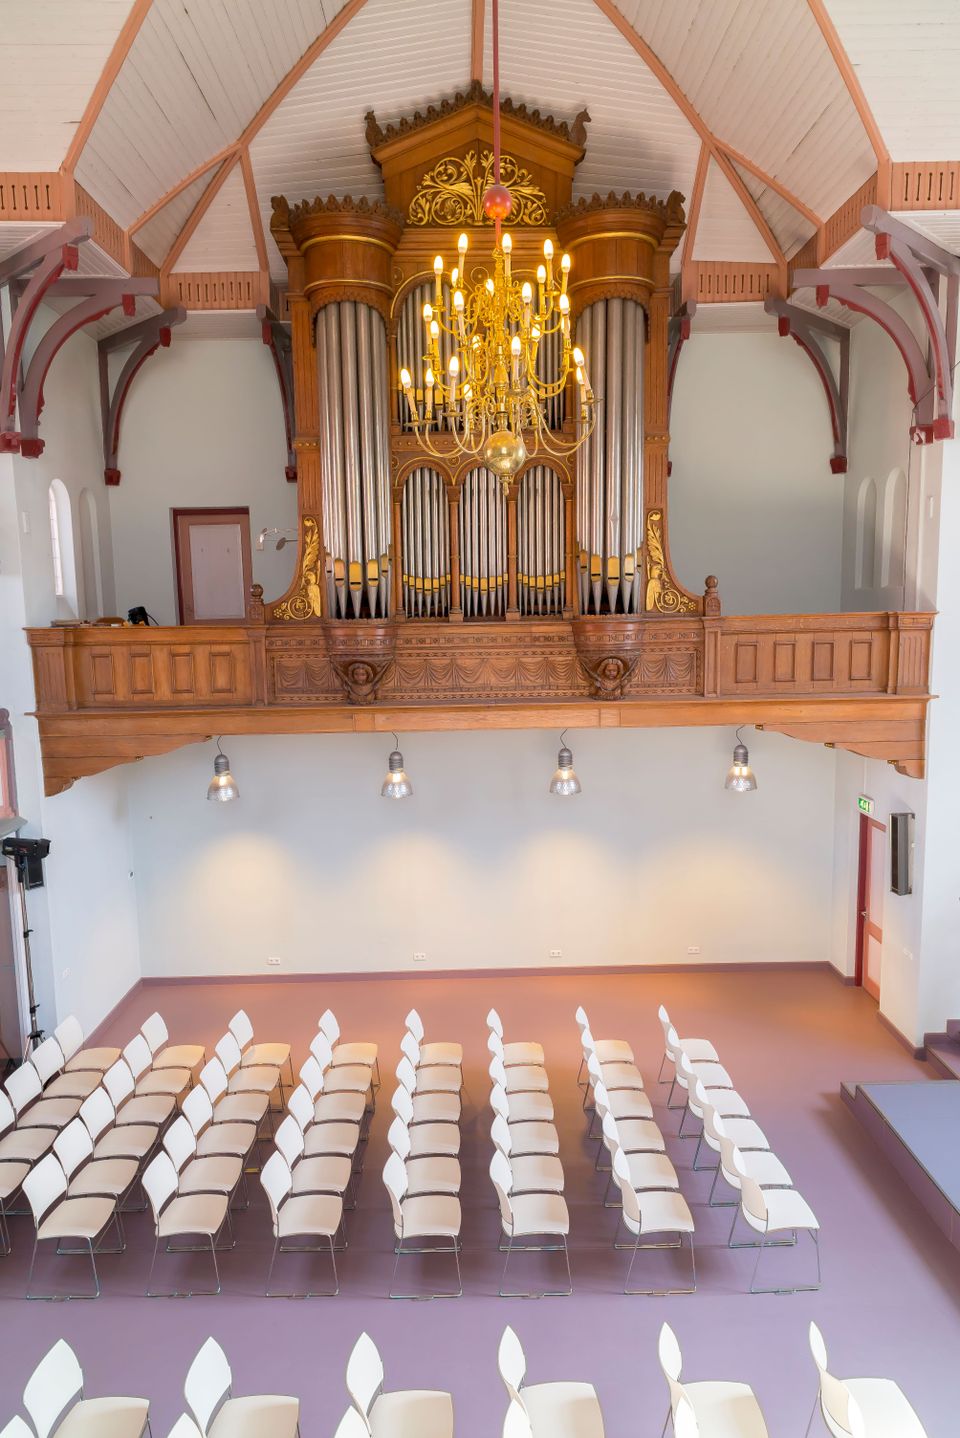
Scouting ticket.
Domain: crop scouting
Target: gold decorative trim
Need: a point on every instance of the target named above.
(344, 235)
(613, 235)
(663, 596)
(452, 192)
(306, 602)
(345, 284)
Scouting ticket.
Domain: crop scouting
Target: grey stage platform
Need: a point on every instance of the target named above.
(917, 1125)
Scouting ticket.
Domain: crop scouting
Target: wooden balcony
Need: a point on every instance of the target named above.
(111, 696)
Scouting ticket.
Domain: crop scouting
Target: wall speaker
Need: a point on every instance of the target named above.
(901, 853)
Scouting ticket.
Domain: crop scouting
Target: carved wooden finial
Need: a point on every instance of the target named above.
(711, 597)
(255, 604)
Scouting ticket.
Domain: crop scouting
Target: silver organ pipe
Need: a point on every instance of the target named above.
(541, 543)
(352, 360)
(411, 337)
(483, 546)
(426, 545)
(610, 463)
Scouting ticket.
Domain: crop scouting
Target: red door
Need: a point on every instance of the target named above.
(870, 890)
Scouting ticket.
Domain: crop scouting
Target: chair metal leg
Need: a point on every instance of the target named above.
(797, 1288)
(304, 1248)
(673, 1089)
(660, 1292)
(813, 1414)
(64, 1297)
(399, 1250)
(663, 1064)
(752, 1243)
(537, 1248)
(191, 1292)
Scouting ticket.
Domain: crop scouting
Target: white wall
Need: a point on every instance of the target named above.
(752, 499)
(203, 425)
(481, 866)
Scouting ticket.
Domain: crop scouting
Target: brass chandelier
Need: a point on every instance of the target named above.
(490, 397)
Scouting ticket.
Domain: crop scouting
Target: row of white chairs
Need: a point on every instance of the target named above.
(534, 1217)
(422, 1174)
(55, 1404)
(774, 1211)
(652, 1208)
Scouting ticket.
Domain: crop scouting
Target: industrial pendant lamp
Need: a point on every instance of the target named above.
(565, 780)
(396, 785)
(740, 777)
(223, 786)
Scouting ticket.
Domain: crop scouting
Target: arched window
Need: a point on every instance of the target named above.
(867, 534)
(90, 557)
(894, 528)
(62, 546)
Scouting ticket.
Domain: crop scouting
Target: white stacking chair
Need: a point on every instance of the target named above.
(349, 1053)
(214, 1173)
(563, 1409)
(69, 1035)
(112, 1140)
(208, 1391)
(624, 1103)
(711, 1071)
(21, 1145)
(531, 1172)
(516, 1424)
(521, 1052)
(426, 1172)
(697, 1050)
(91, 1177)
(761, 1165)
(320, 1173)
(647, 1170)
(342, 1106)
(405, 1413)
(131, 1107)
(200, 1215)
(317, 1216)
(351, 1425)
(245, 1078)
(231, 1107)
(426, 1139)
(438, 1052)
(12, 1174)
(322, 1136)
(608, 1051)
(57, 1217)
(48, 1060)
(880, 1404)
(655, 1212)
(164, 1054)
(525, 1217)
(429, 1106)
(256, 1055)
(775, 1211)
(527, 1136)
(708, 1103)
(526, 1106)
(519, 1078)
(54, 1400)
(417, 1218)
(719, 1409)
(17, 1428)
(341, 1078)
(622, 1074)
(25, 1092)
(431, 1078)
(148, 1080)
(217, 1140)
(636, 1135)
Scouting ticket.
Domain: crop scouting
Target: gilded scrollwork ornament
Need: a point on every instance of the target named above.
(306, 601)
(452, 192)
(662, 595)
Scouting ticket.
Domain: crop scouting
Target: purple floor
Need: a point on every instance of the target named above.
(891, 1293)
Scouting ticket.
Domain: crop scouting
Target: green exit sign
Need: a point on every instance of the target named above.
(864, 804)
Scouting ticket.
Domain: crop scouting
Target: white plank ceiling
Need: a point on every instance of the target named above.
(725, 230)
(224, 238)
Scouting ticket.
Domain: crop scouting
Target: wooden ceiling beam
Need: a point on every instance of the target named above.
(775, 185)
(121, 49)
(256, 219)
(180, 186)
(198, 212)
(687, 274)
(849, 76)
(477, 25)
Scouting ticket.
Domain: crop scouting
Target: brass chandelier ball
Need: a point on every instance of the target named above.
(504, 453)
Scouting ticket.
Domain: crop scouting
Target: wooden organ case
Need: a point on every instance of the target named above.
(396, 542)
(425, 595)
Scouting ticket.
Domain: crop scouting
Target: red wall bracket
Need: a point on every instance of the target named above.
(143, 340)
(810, 331)
(276, 336)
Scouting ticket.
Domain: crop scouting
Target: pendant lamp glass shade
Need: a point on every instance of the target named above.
(740, 777)
(223, 786)
(396, 785)
(565, 780)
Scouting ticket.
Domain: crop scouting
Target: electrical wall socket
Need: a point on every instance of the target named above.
(556, 953)
(693, 948)
(273, 961)
(419, 958)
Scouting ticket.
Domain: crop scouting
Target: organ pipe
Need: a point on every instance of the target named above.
(540, 543)
(610, 463)
(352, 360)
(483, 546)
(426, 545)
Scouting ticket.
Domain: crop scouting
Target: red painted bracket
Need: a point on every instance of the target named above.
(809, 331)
(143, 340)
(276, 337)
(44, 261)
(921, 265)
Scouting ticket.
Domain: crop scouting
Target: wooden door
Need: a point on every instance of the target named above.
(214, 569)
(870, 892)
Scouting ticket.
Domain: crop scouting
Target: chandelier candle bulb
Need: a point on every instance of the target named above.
(462, 249)
(428, 377)
(541, 283)
(507, 257)
(564, 273)
(515, 355)
(438, 277)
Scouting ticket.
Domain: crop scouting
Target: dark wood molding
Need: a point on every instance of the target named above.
(218, 514)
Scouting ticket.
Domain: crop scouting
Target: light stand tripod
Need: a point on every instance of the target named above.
(35, 1037)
